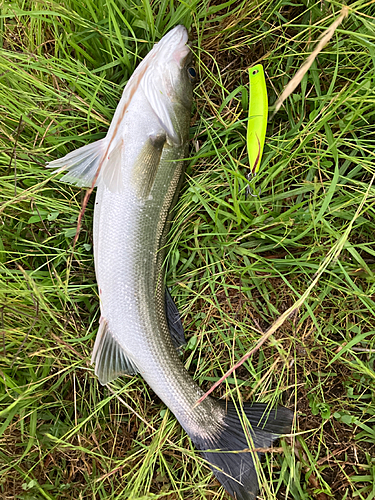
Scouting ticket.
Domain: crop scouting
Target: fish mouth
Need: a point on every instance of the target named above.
(176, 36)
(174, 45)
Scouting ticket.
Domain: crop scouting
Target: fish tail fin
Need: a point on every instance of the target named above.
(243, 437)
(82, 165)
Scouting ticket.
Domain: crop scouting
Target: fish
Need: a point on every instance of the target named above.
(138, 169)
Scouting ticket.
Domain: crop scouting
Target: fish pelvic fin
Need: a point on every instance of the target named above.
(89, 165)
(244, 435)
(110, 359)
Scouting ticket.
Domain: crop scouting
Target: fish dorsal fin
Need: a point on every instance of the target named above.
(82, 165)
(146, 165)
(174, 321)
(109, 358)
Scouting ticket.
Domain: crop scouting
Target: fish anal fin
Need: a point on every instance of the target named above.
(110, 359)
(146, 165)
(174, 322)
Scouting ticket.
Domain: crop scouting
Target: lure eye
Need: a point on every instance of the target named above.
(192, 73)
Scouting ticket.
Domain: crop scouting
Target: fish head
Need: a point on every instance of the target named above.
(167, 82)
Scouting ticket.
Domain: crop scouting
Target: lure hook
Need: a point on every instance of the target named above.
(248, 188)
(254, 195)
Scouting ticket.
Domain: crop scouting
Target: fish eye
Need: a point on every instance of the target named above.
(192, 73)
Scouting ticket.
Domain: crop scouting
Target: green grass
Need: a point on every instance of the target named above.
(235, 264)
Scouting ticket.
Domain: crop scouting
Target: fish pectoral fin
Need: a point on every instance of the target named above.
(147, 164)
(109, 357)
(91, 164)
(160, 104)
(174, 322)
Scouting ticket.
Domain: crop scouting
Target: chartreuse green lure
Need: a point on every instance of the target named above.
(257, 123)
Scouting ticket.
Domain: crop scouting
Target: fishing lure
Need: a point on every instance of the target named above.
(257, 122)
